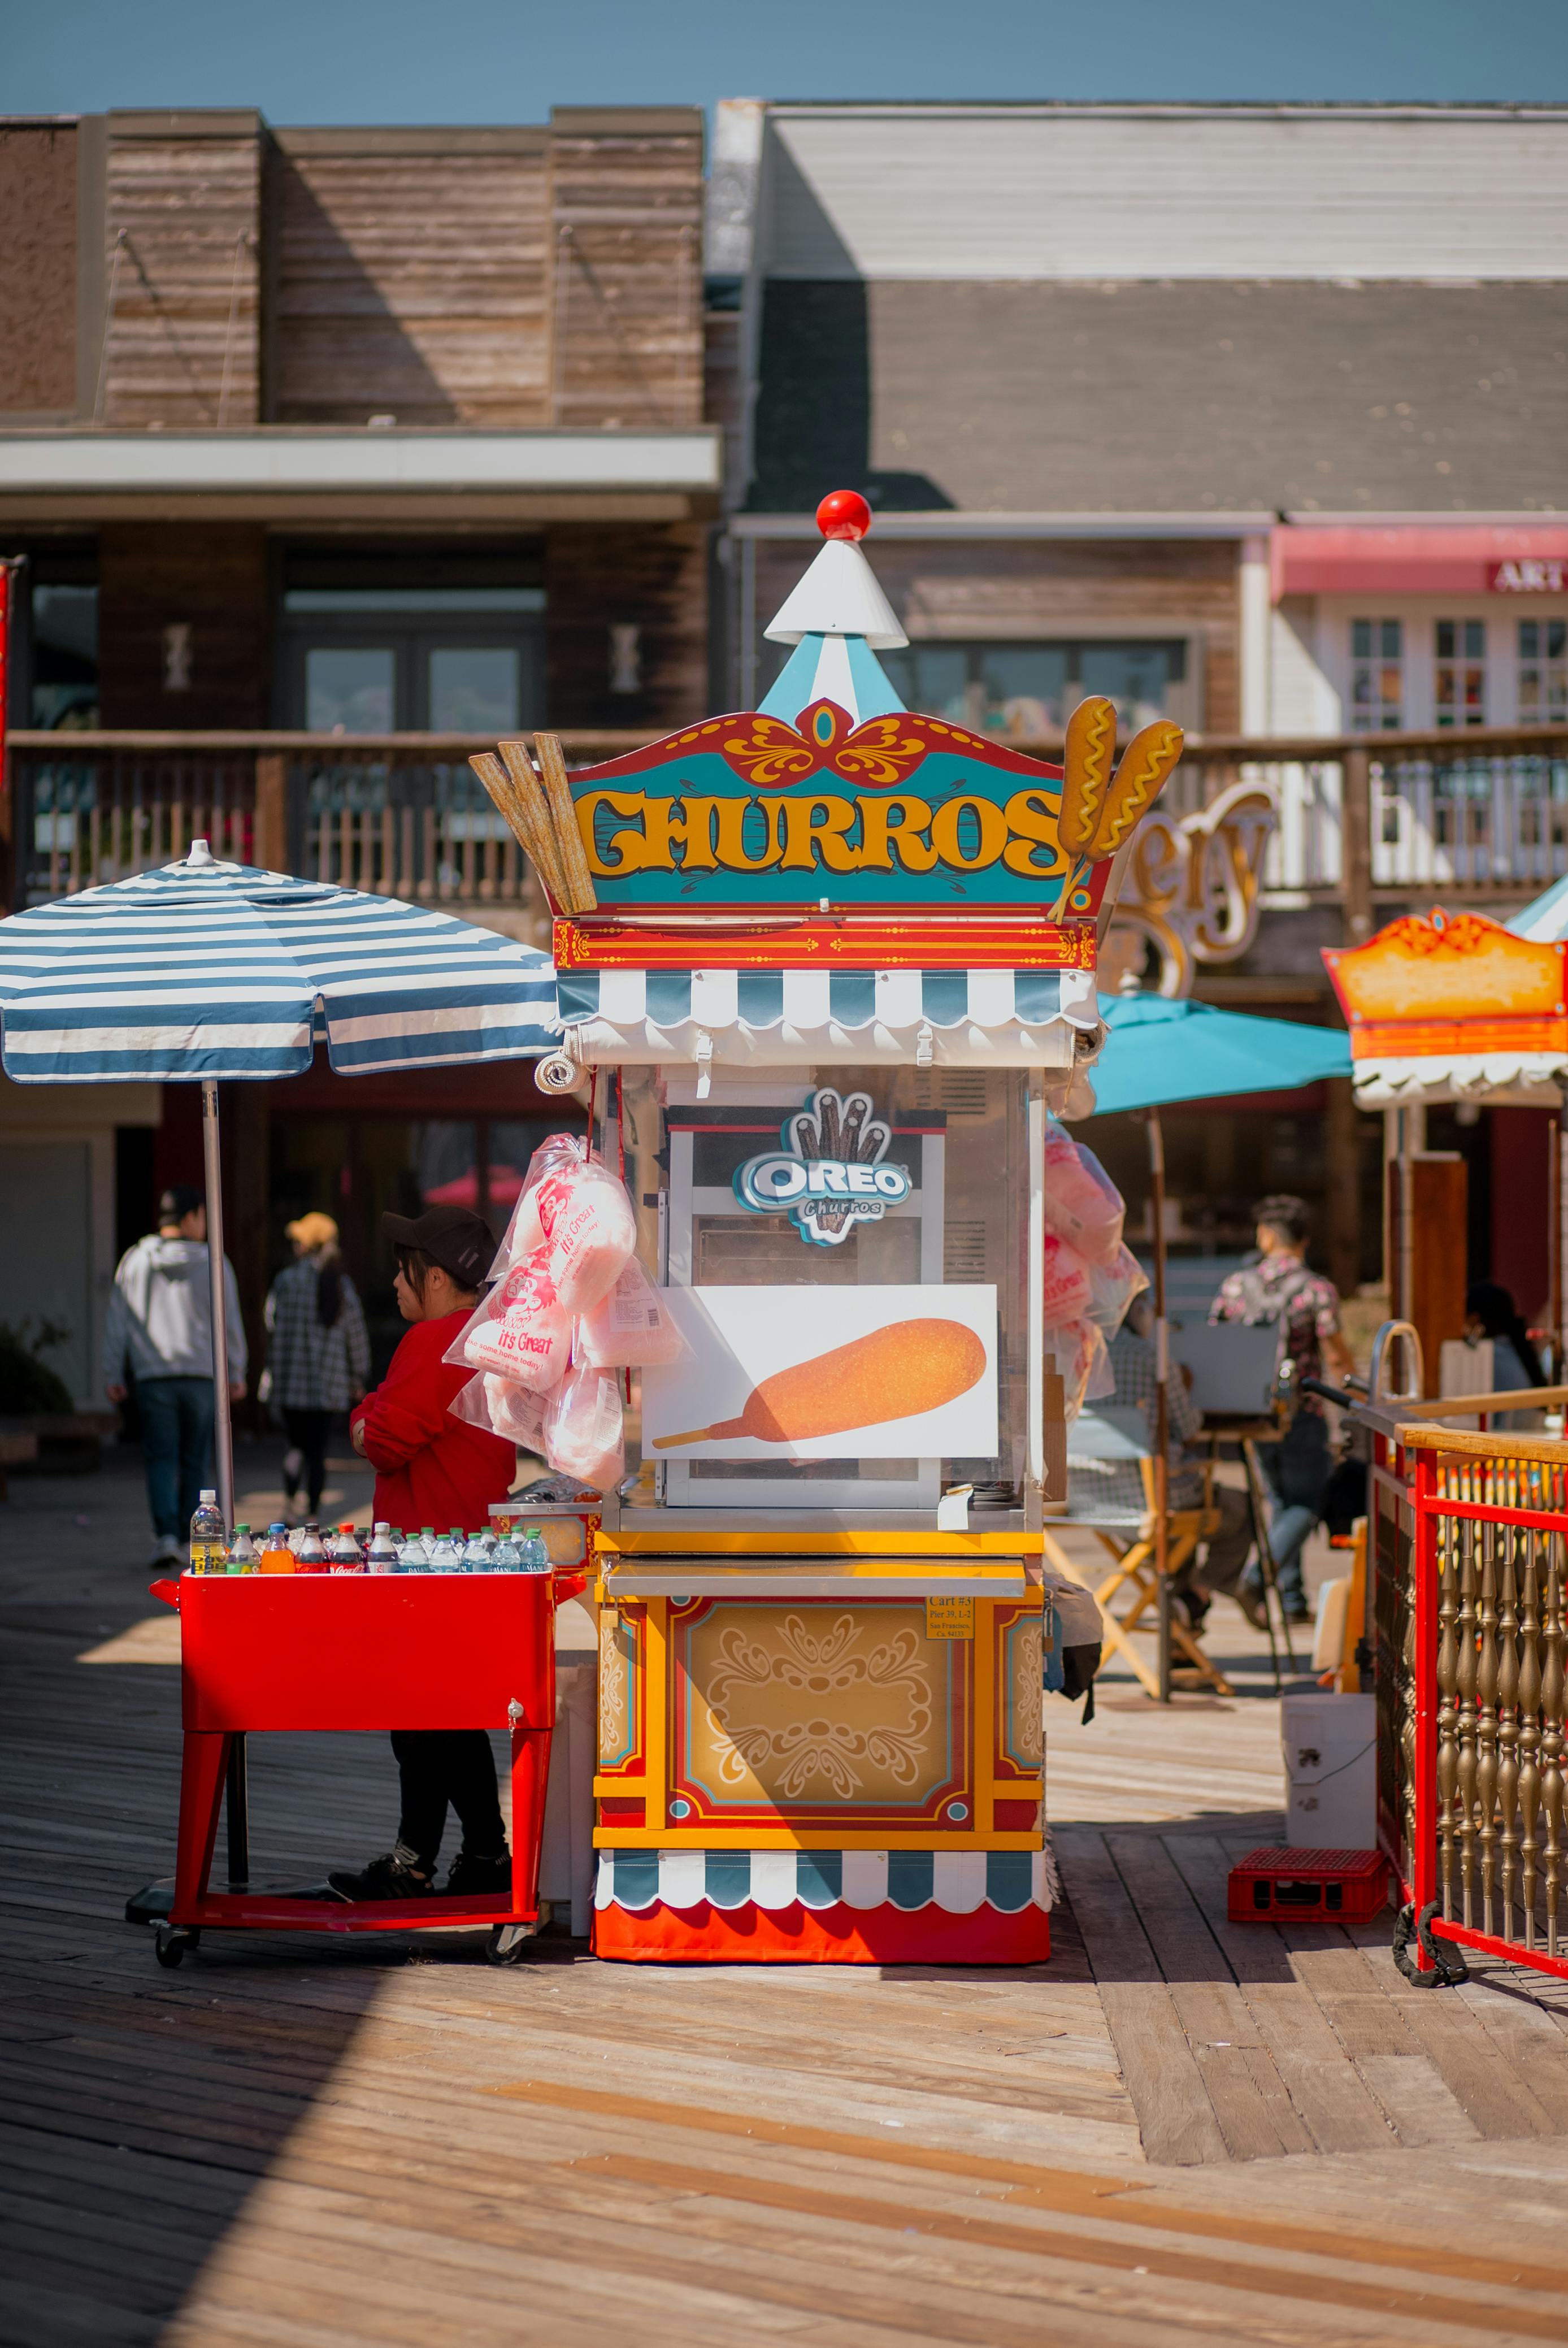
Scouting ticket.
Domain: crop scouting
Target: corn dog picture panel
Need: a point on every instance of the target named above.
(815, 1372)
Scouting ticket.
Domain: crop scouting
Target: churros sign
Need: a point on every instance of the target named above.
(898, 809)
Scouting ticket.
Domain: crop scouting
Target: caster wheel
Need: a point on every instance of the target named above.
(510, 1944)
(172, 1944)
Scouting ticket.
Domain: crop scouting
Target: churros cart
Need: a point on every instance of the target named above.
(828, 966)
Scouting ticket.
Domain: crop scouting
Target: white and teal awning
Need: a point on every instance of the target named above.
(958, 1882)
(1003, 1018)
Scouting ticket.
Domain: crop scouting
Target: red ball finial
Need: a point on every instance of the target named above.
(843, 513)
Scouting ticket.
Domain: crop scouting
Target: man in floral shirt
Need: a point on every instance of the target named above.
(1280, 1288)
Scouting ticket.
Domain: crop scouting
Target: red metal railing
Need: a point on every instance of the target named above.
(1468, 1553)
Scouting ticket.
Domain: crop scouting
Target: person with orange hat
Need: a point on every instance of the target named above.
(318, 1353)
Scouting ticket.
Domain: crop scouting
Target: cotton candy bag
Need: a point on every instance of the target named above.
(1083, 1205)
(1112, 1286)
(1066, 1283)
(522, 1331)
(583, 1429)
(631, 1328)
(514, 1413)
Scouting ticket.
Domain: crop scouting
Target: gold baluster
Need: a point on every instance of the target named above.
(1529, 1723)
(1551, 1789)
(1508, 1723)
(1485, 1727)
(1465, 1687)
(1448, 1678)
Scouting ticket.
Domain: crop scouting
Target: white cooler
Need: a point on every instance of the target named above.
(1330, 1771)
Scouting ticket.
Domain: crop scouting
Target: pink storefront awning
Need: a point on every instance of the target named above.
(1420, 559)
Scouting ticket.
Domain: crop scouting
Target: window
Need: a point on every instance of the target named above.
(1030, 690)
(1376, 676)
(392, 643)
(64, 689)
(1542, 672)
(1458, 682)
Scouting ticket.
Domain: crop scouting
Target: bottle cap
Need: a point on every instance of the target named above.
(382, 1525)
(207, 1495)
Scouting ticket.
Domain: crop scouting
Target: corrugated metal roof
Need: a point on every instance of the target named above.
(1037, 192)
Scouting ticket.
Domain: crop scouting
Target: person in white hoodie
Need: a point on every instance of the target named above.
(159, 1333)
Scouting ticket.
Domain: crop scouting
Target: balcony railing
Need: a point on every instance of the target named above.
(1478, 816)
(401, 814)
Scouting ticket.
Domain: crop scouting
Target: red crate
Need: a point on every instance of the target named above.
(1307, 1887)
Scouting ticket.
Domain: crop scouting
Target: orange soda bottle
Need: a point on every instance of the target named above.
(277, 1556)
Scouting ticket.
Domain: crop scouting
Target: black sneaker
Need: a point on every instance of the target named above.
(474, 1876)
(387, 1878)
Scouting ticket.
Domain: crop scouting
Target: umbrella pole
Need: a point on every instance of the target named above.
(236, 1800)
(1162, 1407)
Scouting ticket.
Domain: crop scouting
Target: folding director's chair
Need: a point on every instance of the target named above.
(1111, 1444)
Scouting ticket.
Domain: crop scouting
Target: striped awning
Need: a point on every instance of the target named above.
(204, 970)
(958, 1882)
(1007, 1017)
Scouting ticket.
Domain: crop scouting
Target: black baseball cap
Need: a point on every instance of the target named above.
(177, 1201)
(454, 1237)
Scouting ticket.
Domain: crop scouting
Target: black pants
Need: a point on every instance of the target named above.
(438, 1765)
(307, 1432)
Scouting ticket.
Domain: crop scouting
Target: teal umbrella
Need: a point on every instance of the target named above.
(1159, 1051)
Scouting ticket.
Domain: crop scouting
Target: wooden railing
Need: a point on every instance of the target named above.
(402, 814)
(1478, 816)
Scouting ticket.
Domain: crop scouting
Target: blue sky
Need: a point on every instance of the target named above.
(510, 60)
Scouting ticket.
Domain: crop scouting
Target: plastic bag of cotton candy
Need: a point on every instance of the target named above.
(571, 1236)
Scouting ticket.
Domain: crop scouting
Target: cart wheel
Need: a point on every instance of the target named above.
(510, 1944)
(172, 1944)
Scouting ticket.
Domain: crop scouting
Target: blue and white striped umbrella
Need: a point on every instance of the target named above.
(206, 970)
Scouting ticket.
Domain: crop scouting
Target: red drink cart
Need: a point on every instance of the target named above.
(350, 1652)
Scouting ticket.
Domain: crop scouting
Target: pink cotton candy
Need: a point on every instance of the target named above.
(1112, 1287)
(1066, 1284)
(515, 1413)
(523, 1331)
(583, 1429)
(593, 1235)
(1082, 1204)
(631, 1328)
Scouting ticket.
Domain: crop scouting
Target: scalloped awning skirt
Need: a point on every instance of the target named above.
(1000, 1018)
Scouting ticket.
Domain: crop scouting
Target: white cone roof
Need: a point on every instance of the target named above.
(838, 596)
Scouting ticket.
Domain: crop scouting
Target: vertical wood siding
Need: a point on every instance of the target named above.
(181, 205)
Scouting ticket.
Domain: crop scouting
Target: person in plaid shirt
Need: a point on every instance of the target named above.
(1280, 1288)
(318, 1353)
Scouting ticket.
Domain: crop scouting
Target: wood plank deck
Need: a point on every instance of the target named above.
(1232, 2134)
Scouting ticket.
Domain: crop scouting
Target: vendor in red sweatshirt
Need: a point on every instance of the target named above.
(434, 1469)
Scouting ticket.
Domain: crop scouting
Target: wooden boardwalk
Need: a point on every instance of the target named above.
(1175, 2127)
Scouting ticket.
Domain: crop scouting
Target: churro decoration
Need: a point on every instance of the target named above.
(898, 1372)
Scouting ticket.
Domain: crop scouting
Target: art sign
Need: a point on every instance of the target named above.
(828, 1173)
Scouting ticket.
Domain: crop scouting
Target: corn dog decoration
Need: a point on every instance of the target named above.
(1099, 807)
(894, 1373)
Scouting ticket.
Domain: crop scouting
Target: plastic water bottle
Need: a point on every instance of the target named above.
(476, 1555)
(444, 1557)
(535, 1556)
(277, 1556)
(209, 1537)
(508, 1557)
(382, 1556)
(241, 1556)
(412, 1557)
(312, 1555)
